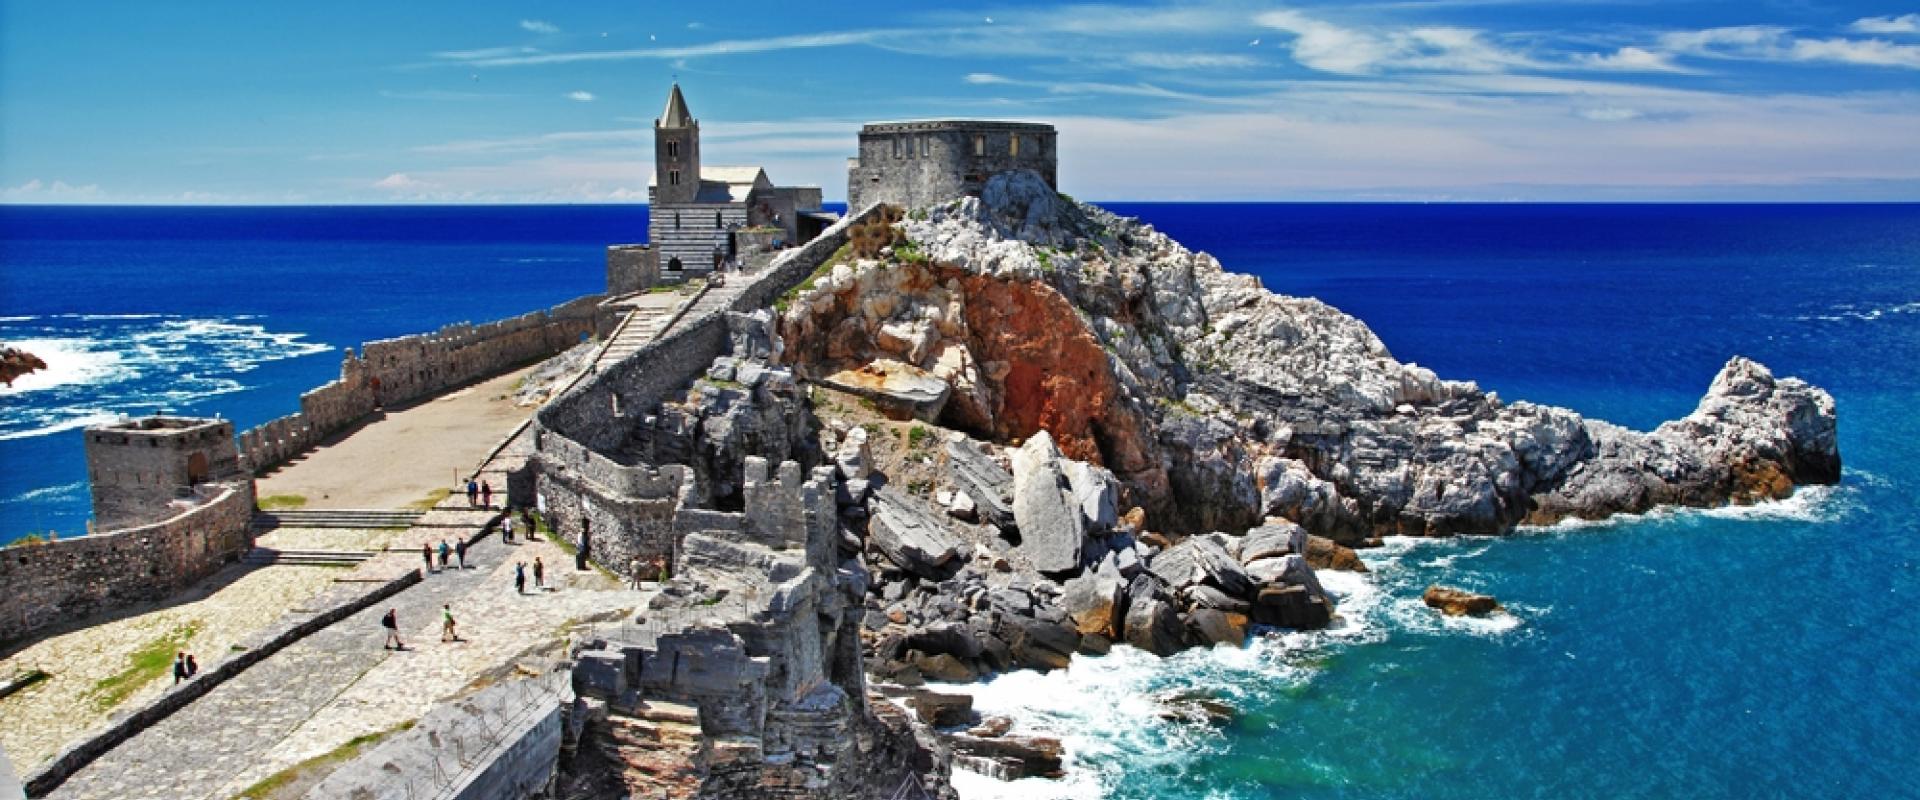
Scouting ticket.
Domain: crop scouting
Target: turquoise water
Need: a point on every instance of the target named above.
(1771, 651)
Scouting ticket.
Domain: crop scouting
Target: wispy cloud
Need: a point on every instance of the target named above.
(720, 48)
(1777, 43)
(1905, 23)
(38, 191)
(1181, 61)
(1633, 59)
(401, 182)
(539, 26)
(1327, 47)
(580, 96)
(1099, 88)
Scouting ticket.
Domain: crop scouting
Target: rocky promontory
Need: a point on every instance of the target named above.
(1061, 430)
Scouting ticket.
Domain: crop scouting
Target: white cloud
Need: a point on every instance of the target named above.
(539, 26)
(580, 96)
(401, 182)
(1609, 114)
(720, 48)
(1631, 59)
(1778, 44)
(985, 78)
(1327, 47)
(1905, 23)
(38, 191)
(1180, 61)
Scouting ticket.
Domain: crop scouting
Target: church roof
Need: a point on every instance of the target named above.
(676, 115)
(723, 184)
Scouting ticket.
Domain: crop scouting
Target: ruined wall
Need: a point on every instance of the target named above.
(70, 579)
(919, 164)
(631, 268)
(394, 371)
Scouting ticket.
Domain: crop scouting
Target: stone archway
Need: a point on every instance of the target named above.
(673, 264)
(197, 468)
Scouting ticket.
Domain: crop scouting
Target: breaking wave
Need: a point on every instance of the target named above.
(102, 365)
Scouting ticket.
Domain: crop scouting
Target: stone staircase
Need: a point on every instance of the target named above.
(639, 328)
(336, 518)
(269, 557)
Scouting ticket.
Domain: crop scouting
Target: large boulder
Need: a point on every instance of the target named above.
(1038, 644)
(1095, 491)
(1459, 602)
(1051, 527)
(982, 479)
(1200, 559)
(1325, 553)
(1214, 626)
(902, 391)
(854, 458)
(1277, 538)
(1092, 601)
(1288, 570)
(942, 710)
(1295, 607)
(1153, 626)
(911, 538)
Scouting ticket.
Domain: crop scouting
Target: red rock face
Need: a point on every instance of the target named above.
(1038, 367)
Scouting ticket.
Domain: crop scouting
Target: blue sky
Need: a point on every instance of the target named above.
(479, 101)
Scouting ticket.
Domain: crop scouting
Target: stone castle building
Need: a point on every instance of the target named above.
(704, 215)
(918, 164)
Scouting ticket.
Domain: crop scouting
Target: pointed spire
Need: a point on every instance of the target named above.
(676, 115)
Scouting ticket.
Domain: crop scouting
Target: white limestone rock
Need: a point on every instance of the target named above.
(1052, 530)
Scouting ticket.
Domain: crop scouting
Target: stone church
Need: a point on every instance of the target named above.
(702, 216)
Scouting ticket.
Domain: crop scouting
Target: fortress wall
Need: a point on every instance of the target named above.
(69, 579)
(919, 164)
(388, 372)
(571, 473)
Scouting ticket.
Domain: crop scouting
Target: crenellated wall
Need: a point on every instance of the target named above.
(69, 579)
(393, 371)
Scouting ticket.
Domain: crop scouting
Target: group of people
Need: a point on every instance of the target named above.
(457, 550)
(184, 667)
(520, 576)
(479, 493)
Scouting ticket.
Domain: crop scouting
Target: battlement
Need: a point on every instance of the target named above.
(139, 467)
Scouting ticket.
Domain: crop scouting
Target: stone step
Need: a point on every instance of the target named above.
(267, 556)
(335, 518)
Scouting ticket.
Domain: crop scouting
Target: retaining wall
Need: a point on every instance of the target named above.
(73, 578)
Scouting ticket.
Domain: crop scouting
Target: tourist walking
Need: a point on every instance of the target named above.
(179, 668)
(486, 494)
(444, 552)
(460, 552)
(426, 554)
(473, 493)
(392, 623)
(193, 667)
(520, 578)
(447, 632)
(539, 574)
(506, 528)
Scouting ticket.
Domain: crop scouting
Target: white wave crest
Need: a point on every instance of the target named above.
(61, 420)
(65, 490)
(1806, 504)
(69, 362)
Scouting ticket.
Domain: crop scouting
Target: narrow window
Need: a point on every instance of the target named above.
(926, 146)
(673, 148)
(979, 145)
(1013, 145)
(911, 146)
(676, 216)
(716, 220)
(673, 178)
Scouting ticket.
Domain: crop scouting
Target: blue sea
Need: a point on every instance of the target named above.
(1771, 651)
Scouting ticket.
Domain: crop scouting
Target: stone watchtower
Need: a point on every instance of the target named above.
(140, 466)
(676, 153)
(923, 163)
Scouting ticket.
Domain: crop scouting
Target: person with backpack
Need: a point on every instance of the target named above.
(392, 623)
(447, 633)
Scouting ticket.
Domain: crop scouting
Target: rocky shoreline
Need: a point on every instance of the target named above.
(1058, 431)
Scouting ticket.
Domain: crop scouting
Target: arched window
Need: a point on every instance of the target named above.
(1013, 145)
(673, 178)
(673, 148)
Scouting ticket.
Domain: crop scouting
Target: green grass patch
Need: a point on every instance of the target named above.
(269, 787)
(1045, 254)
(153, 660)
(661, 289)
(280, 502)
(919, 437)
(35, 538)
(840, 256)
(432, 499)
(909, 252)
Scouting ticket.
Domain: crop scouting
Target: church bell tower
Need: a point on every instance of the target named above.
(676, 152)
